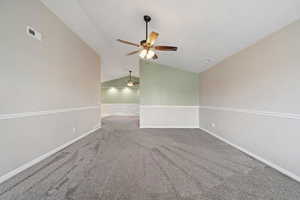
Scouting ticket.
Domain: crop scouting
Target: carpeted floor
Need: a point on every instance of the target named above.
(122, 162)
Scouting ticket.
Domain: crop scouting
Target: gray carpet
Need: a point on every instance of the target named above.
(122, 162)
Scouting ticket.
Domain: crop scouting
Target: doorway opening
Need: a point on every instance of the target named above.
(120, 97)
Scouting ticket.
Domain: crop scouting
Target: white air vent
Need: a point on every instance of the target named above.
(33, 33)
(207, 61)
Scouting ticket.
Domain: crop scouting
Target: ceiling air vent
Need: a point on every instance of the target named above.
(33, 33)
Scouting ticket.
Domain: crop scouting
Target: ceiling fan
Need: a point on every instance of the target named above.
(147, 47)
(130, 82)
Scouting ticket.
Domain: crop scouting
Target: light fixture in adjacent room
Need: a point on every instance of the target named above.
(127, 90)
(112, 90)
(130, 82)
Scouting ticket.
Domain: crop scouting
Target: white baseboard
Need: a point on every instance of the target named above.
(28, 165)
(119, 114)
(269, 163)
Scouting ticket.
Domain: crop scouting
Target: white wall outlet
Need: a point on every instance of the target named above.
(74, 130)
(33, 33)
(213, 125)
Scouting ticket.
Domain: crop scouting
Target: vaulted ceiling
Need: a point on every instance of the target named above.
(206, 31)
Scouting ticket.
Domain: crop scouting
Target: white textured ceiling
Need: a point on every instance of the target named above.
(206, 31)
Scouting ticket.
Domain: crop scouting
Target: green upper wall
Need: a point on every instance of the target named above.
(165, 85)
(117, 92)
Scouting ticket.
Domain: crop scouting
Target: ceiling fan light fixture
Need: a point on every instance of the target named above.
(147, 54)
(147, 50)
(130, 83)
(143, 53)
(150, 54)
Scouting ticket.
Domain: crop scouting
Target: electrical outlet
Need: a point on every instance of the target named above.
(213, 125)
(74, 130)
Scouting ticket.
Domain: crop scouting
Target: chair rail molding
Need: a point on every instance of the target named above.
(46, 112)
(254, 112)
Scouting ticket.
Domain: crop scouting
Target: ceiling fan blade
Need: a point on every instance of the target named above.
(166, 48)
(152, 37)
(126, 42)
(155, 57)
(131, 53)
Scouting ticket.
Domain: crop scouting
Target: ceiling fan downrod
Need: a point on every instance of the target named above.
(130, 75)
(147, 19)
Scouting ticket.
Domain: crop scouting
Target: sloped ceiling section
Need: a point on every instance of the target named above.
(120, 82)
(206, 31)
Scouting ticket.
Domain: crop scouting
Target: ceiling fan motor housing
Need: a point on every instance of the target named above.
(143, 42)
(147, 18)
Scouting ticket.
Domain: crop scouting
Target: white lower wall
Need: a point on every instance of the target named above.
(160, 116)
(28, 137)
(120, 109)
(271, 137)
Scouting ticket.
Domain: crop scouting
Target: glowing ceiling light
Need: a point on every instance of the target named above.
(147, 54)
(112, 90)
(126, 90)
(130, 83)
(150, 54)
(143, 53)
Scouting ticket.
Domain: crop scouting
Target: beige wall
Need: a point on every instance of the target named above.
(253, 99)
(59, 72)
